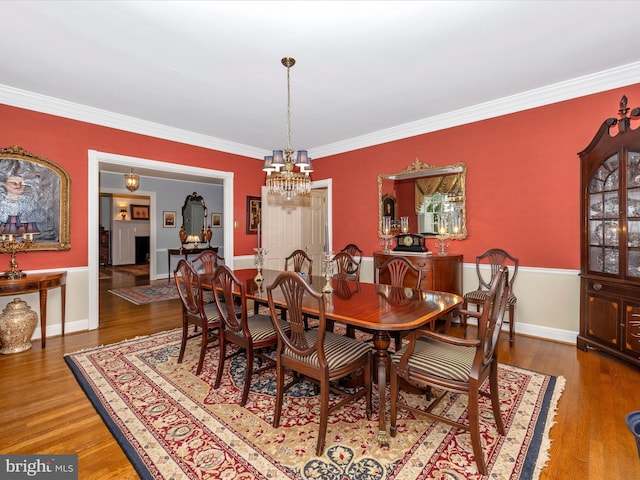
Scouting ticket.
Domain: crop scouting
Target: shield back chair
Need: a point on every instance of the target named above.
(453, 364)
(356, 253)
(206, 263)
(250, 334)
(494, 259)
(345, 268)
(299, 261)
(397, 272)
(321, 356)
(203, 316)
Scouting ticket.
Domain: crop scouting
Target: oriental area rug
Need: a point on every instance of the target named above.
(143, 294)
(172, 424)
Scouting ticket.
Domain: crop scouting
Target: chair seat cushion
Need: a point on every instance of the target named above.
(439, 359)
(211, 311)
(261, 327)
(338, 349)
(479, 296)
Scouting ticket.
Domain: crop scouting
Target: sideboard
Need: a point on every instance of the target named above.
(183, 251)
(442, 273)
(38, 282)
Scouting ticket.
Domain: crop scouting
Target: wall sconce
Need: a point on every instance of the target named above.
(123, 212)
(131, 181)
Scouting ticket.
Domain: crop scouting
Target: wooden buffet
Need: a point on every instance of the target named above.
(442, 273)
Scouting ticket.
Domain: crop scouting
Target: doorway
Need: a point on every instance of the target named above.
(302, 222)
(102, 161)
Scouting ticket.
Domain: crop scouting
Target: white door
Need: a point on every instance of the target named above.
(289, 225)
(314, 227)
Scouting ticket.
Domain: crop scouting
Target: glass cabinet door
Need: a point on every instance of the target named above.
(633, 214)
(604, 215)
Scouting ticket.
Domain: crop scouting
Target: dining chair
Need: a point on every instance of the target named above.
(321, 356)
(204, 316)
(494, 259)
(453, 364)
(206, 263)
(251, 334)
(356, 253)
(300, 262)
(397, 272)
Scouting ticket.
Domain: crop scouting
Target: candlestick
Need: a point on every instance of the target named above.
(258, 235)
(328, 272)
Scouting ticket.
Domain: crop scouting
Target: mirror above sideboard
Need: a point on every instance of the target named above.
(432, 197)
(194, 217)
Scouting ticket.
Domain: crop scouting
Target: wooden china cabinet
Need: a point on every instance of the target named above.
(610, 239)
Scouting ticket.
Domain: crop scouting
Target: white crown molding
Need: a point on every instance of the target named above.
(558, 92)
(577, 87)
(55, 106)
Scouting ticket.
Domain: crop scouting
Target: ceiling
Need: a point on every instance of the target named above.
(209, 72)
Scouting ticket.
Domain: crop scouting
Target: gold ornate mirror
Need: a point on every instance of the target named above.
(432, 197)
(194, 216)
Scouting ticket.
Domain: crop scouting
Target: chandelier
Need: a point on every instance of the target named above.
(282, 177)
(131, 181)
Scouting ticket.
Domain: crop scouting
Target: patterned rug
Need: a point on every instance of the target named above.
(173, 424)
(144, 294)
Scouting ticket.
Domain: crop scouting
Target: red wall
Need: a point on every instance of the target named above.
(66, 142)
(522, 176)
(522, 179)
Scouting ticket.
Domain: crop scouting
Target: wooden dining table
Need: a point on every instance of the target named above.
(375, 307)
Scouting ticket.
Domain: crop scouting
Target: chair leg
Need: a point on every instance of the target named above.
(247, 375)
(223, 353)
(203, 349)
(279, 394)
(495, 398)
(474, 428)
(511, 324)
(324, 414)
(463, 318)
(183, 343)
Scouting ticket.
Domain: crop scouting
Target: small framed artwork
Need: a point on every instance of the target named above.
(216, 220)
(140, 212)
(168, 219)
(254, 214)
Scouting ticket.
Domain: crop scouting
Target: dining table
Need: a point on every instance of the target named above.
(379, 308)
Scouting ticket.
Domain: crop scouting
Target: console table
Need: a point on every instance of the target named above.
(442, 273)
(182, 251)
(38, 282)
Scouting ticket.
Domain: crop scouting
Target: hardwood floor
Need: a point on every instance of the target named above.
(43, 409)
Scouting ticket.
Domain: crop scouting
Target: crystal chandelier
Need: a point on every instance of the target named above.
(282, 178)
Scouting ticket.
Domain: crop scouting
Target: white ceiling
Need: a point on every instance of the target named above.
(209, 72)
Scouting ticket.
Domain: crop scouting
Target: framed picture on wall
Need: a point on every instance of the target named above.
(216, 220)
(140, 212)
(168, 219)
(254, 214)
(35, 191)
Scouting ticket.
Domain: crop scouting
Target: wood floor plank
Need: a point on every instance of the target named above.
(44, 410)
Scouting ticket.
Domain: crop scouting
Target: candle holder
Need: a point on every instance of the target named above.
(386, 234)
(327, 263)
(12, 231)
(442, 240)
(386, 242)
(259, 262)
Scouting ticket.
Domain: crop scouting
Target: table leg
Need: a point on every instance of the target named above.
(63, 303)
(43, 316)
(168, 267)
(381, 342)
